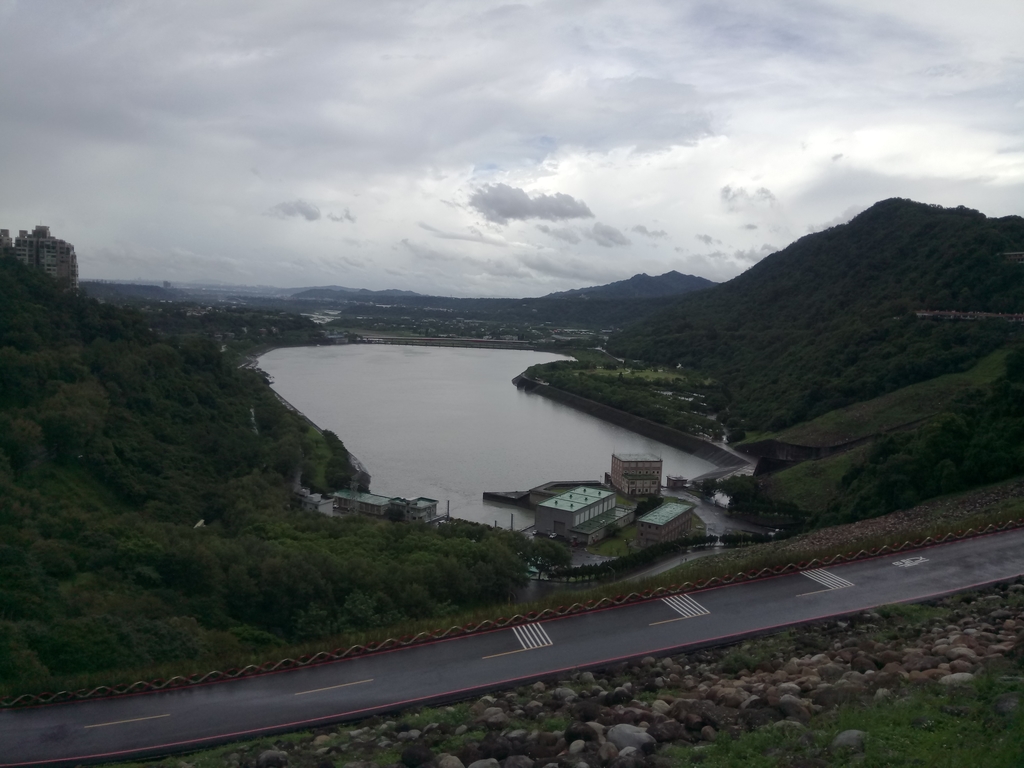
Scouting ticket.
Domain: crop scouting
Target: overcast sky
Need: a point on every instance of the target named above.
(476, 148)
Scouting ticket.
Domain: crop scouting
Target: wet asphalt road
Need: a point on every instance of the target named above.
(160, 723)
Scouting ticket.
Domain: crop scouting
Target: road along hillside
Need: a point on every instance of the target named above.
(452, 670)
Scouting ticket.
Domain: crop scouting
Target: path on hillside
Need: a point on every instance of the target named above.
(159, 723)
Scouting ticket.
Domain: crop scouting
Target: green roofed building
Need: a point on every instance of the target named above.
(366, 503)
(583, 514)
(669, 521)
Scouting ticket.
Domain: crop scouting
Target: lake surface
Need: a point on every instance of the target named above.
(449, 424)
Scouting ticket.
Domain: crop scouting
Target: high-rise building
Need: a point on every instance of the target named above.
(41, 250)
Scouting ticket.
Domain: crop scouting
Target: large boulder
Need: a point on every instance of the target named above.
(852, 741)
(624, 735)
(272, 758)
(449, 761)
(416, 755)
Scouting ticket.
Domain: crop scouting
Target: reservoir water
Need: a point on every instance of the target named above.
(449, 424)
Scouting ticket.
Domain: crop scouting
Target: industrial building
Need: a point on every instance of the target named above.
(668, 522)
(636, 474)
(582, 514)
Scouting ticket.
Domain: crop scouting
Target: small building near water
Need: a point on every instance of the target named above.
(582, 514)
(364, 503)
(315, 502)
(668, 522)
(421, 509)
(636, 474)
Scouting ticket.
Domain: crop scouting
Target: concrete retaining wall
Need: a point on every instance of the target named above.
(702, 449)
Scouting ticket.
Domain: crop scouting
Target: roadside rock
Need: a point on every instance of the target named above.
(272, 758)
(624, 735)
(1006, 704)
(852, 740)
(416, 755)
(957, 678)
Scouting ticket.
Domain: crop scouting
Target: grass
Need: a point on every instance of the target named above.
(929, 727)
(813, 485)
(595, 356)
(615, 547)
(897, 409)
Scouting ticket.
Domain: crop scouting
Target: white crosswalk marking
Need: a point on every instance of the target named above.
(532, 636)
(826, 579)
(685, 606)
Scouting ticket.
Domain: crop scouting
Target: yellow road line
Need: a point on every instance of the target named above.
(332, 687)
(133, 720)
(669, 621)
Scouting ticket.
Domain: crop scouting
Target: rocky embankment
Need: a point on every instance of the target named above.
(678, 710)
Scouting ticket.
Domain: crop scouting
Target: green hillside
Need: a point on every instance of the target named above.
(829, 321)
(895, 410)
(115, 442)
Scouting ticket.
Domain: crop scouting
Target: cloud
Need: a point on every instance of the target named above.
(640, 229)
(707, 239)
(842, 218)
(427, 254)
(565, 234)
(343, 216)
(474, 236)
(738, 199)
(500, 203)
(605, 236)
(576, 270)
(287, 210)
(750, 226)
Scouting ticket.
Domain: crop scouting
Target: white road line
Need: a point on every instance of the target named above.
(826, 579)
(122, 722)
(685, 606)
(532, 636)
(332, 687)
(910, 562)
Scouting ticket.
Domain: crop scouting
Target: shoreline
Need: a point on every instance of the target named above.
(723, 457)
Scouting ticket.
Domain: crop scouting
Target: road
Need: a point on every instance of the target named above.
(159, 723)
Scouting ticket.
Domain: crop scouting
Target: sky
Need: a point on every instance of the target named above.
(487, 149)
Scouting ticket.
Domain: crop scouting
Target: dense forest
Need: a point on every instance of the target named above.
(146, 512)
(830, 320)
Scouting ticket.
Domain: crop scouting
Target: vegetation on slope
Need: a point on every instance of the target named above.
(897, 409)
(115, 442)
(681, 400)
(829, 321)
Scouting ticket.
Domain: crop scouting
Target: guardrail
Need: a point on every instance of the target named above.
(324, 657)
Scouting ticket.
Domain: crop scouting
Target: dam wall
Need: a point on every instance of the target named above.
(702, 449)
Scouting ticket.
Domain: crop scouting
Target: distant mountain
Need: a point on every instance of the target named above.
(831, 319)
(342, 293)
(640, 286)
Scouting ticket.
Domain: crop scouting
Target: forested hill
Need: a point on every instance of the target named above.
(829, 320)
(640, 286)
(115, 442)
